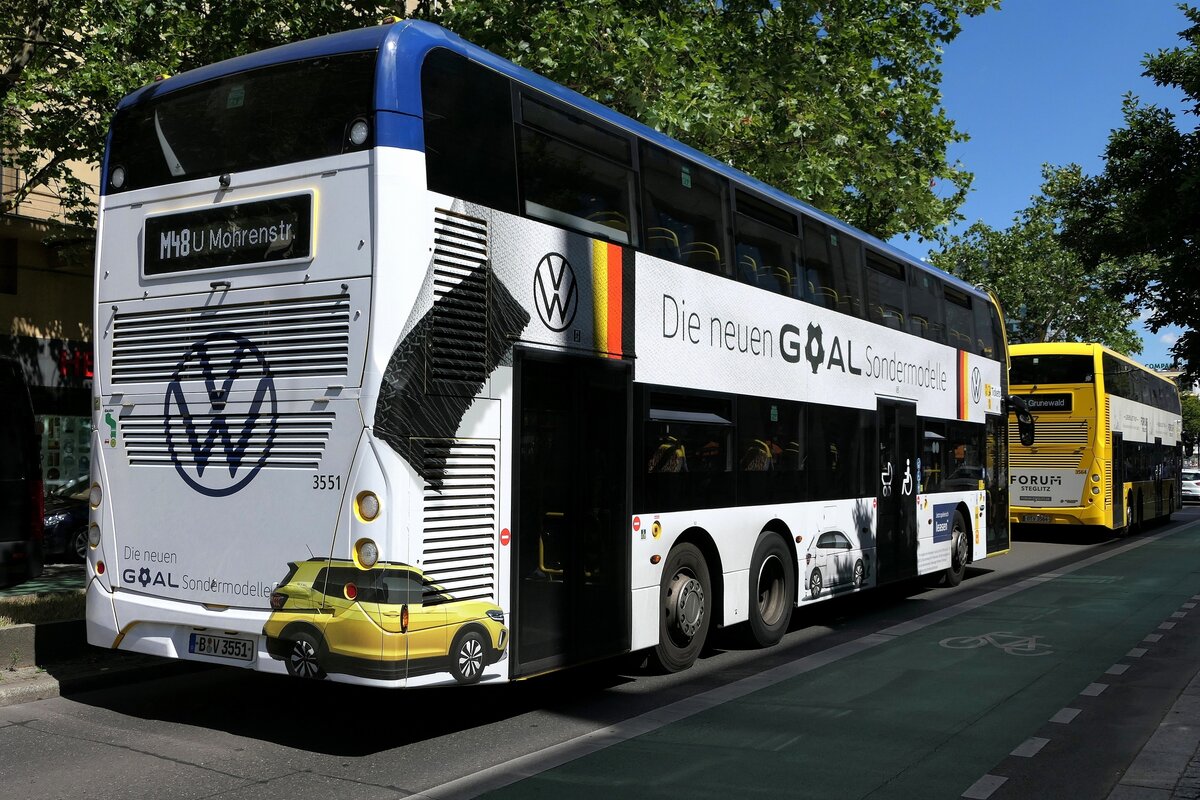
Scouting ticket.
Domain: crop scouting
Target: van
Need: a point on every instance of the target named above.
(21, 490)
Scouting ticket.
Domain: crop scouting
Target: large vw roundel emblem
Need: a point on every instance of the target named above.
(215, 449)
(555, 292)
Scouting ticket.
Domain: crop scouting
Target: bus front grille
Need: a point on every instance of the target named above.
(273, 441)
(459, 547)
(302, 337)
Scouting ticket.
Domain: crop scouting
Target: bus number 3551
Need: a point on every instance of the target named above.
(327, 482)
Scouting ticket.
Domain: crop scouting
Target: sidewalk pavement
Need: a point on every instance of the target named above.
(92, 668)
(1167, 767)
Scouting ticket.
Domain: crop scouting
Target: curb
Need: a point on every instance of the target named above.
(41, 661)
(28, 645)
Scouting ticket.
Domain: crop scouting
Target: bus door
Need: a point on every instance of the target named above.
(572, 510)
(896, 494)
(1116, 480)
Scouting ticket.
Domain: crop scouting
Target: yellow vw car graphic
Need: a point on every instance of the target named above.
(388, 622)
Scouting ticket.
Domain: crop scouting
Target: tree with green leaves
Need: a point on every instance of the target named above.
(1191, 422)
(1047, 293)
(834, 102)
(65, 65)
(1144, 209)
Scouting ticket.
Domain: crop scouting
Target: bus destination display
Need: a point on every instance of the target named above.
(258, 232)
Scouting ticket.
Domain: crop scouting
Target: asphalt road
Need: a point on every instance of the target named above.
(903, 692)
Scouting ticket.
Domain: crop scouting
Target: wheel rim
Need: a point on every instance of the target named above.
(770, 590)
(470, 657)
(685, 607)
(81, 544)
(960, 550)
(814, 584)
(304, 659)
(858, 574)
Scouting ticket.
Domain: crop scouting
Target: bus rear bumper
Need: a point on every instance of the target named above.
(1056, 516)
(166, 628)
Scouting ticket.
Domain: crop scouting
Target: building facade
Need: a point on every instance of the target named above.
(46, 322)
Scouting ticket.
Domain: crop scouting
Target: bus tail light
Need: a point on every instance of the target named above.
(93, 536)
(366, 553)
(366, 505)
(351, 591)
(1095, 490)
(95, 496)
(99, 567)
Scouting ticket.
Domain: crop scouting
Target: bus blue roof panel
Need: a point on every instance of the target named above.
(402, 93)
(402, 48)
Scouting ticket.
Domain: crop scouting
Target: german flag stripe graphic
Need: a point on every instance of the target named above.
(963, 385)
(609, 285)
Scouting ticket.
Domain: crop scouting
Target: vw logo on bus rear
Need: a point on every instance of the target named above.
(217, 453)
(555, 292)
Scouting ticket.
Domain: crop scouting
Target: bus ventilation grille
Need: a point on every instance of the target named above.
(458, 344)
(279, 441)
(459, 548)
(1073, 433)
(296, 338)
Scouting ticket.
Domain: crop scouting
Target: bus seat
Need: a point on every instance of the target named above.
(611, 219)
(704, 256)
(748, 270)
(785, 280)
(668, 456)
(663, 241)
(758, 457)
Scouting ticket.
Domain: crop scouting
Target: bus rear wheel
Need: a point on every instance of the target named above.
(960, 552)
(684, 597)
(772, 590)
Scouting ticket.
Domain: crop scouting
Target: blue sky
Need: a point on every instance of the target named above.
(1041, 81)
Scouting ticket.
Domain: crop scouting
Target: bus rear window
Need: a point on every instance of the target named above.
(250, 120)
(1045, 369)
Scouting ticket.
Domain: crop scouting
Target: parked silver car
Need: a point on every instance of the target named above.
(1191, 485)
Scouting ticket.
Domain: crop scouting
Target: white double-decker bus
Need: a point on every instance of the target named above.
(416, 368)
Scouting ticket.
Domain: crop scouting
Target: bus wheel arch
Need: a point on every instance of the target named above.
(772, 586)
(687, 599)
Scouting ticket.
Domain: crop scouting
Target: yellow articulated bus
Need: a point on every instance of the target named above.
(1108, 442)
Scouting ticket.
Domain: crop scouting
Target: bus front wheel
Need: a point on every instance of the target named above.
(684, 597)
(772, 590)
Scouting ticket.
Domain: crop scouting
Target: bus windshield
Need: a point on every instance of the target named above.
(250, 120)
(1043, 369)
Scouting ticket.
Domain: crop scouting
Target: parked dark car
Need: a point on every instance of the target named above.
(66, 521)
(21, 492)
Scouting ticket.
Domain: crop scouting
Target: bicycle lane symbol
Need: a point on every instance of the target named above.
(1014, 644)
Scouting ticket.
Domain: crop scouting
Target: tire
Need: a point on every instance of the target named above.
(772, 590)
(960, 552)
(78, 544)
(860, 574)
(304, 659)
(685, 595)
(814, 583)
(468, 657)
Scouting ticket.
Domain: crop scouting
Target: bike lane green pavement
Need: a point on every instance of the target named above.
(913, 711)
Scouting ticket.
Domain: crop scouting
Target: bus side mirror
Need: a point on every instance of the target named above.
(1024, 419)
